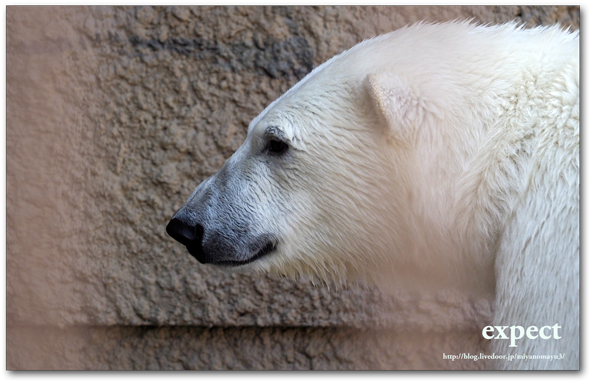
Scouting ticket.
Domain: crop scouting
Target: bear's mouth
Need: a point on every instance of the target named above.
(202, 257)
(267, 249)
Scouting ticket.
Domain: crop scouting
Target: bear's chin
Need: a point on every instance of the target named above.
(205, 258)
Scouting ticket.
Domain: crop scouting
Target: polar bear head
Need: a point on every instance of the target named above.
(310, 186)
(306, 189)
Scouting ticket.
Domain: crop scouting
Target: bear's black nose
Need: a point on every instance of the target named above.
(184, 233)
(188, 235)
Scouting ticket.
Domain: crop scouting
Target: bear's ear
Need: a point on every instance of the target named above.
(397, 104)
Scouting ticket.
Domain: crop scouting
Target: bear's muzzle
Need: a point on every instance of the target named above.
(216, 253)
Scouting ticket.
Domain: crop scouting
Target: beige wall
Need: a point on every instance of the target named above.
(114, 115)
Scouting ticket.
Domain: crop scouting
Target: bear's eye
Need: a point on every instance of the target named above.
(277, 147)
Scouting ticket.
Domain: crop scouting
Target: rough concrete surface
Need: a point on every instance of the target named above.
(114, 115)
(238, 348)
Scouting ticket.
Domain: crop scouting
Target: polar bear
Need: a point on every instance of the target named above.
(439, 155)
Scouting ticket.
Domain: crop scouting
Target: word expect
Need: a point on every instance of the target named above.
(518, 332)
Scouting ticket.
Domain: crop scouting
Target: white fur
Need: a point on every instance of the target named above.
(484, 167)
(429, 156)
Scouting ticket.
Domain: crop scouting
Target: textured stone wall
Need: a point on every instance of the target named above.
(114, 115)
